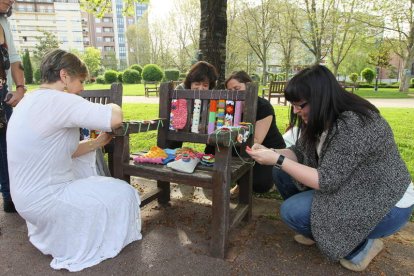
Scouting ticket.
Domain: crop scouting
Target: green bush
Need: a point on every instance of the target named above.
(172, 74)
(120, 77)
(255, 77)
(37, 75)
(100, 80)
(131, 76)
(152, 72)
(183, 76)
(353, 77)
(136, 67)
(111, 76)
(368, 74)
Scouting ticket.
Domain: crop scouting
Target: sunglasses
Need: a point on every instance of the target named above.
(299, 106)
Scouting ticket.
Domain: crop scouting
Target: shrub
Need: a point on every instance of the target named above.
(111, 76)
(120, 76)
(172, 74)
(100, 80)
(152, 72)
(255, 77)
(37, 75)
(368, 74)
(353, 77)
(136, 67)
(183, 76)
(131, 76)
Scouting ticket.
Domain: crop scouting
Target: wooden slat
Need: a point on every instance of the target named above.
(150, 196)
(240, 212)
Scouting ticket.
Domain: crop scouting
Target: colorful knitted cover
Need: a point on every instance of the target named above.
(196, 116)
(238, 113)
(220, 113)
(212, 116)
(229, 113)
(178, 115)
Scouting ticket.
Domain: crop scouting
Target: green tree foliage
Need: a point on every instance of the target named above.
(136, 67)
(120, 77)
(100, 80)
(368, 74)
(152, 72)
(92, 59)
(37, 75)
(353, 77)
(45, 43)
(109, 61)
(28, 69)
(172, 74)
(131, 76)
(111, 76)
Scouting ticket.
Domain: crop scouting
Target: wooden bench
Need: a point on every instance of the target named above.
(151, 87)
(105, 96)
(226, 170)
(275, 90)
(346, 86)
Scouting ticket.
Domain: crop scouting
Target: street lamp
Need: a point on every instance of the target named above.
(377, 69)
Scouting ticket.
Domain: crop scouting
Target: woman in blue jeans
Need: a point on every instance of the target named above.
(344, 181)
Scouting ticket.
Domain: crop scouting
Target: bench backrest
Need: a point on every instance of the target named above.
(168, 94)
(277, 87)
(105, 96)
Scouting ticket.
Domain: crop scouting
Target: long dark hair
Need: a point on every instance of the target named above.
(327, 100)
(201, 71)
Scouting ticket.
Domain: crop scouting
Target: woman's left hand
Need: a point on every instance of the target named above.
(263, 155)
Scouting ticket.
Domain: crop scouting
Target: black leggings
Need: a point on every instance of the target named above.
(262, 178)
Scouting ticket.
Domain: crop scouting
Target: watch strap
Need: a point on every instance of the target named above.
(279, 161)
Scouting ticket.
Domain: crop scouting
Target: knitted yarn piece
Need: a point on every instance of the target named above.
(178, 115)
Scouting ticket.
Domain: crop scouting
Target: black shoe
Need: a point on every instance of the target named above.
(8, 206)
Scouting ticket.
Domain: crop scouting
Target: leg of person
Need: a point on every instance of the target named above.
(363, 254)
(262, 178)
(284, 183)
(8, 205)
(296, 212)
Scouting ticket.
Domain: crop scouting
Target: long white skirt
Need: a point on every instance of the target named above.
(83, 222)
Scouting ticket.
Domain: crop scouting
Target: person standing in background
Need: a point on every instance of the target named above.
(10, 69)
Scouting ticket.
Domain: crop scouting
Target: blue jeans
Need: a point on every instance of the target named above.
(284, 183)
(4, 172)
(296, 213)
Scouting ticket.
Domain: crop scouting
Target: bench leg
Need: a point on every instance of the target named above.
(164, 197)
(245, 195)
(220, 218)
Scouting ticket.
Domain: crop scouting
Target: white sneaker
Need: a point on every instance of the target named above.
(375, 249)
(303, 240)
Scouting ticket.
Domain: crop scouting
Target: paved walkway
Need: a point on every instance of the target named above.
(175, 242)
(407, 102)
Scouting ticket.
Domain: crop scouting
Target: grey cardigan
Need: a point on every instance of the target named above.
(361, 177)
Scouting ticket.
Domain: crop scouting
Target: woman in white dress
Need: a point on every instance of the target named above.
(79, 219)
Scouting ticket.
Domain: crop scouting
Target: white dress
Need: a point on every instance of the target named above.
(80, 220)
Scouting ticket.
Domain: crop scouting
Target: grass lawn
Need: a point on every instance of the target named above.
(403, 132)
(384, 93)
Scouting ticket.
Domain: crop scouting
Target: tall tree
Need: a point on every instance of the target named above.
(45, 43)
(139, 41)
(380, 57)
(259, 29)
(28, 69)
(213, 33)
(92, 59)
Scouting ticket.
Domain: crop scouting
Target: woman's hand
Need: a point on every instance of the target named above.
(103, 139)
(262, 155)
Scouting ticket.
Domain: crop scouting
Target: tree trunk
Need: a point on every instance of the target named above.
(213, 33)
(406, 72)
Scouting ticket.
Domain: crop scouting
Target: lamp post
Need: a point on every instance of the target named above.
(377, 69)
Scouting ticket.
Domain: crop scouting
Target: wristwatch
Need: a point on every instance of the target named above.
(279, 161)
(22, 86)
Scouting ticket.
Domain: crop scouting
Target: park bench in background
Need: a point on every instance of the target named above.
(226, 170)
(347, 86)
(275, 90)
(105, 96)
(151, 87)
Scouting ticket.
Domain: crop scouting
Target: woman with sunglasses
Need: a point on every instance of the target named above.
(355, 188)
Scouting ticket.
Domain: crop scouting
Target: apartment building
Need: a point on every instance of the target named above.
(60, 17)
